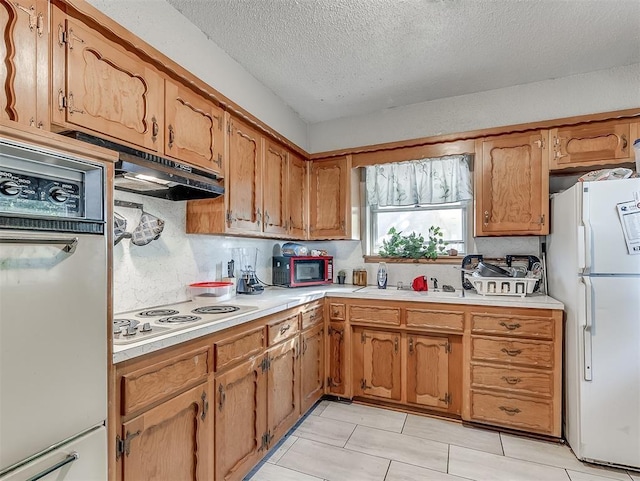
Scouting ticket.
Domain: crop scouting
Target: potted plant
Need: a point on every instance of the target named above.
(413, 246)
(342, 274)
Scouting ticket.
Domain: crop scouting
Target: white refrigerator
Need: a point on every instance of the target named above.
(591, 271)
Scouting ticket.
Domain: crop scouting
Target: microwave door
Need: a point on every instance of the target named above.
(307, 271)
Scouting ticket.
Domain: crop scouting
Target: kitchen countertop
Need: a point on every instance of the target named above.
(274, 300)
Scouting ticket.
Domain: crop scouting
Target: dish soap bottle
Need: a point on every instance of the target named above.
(382, 275)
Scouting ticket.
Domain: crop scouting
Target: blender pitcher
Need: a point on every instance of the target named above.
(246, 259)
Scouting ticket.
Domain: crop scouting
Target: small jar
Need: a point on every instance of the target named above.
(360, 277)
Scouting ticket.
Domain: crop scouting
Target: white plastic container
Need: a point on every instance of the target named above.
(218, 289)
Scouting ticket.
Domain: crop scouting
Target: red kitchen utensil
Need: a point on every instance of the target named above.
(420, 284)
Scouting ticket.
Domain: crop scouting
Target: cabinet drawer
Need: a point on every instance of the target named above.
(231, 350)
(520, 326)
(284, 329)
(375, 315)
(336, 311)
(312, 316)
(521, 351)
(530, 414)
(525, 381)
(146, 386)
(430, 319)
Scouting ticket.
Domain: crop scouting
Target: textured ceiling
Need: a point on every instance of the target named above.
(337, 58)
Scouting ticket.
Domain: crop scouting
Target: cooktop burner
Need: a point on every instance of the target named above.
(179, 319)
(157, 313)
(216, 309)
(125, 322)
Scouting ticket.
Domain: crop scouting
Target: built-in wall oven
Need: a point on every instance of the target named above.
(53, 315)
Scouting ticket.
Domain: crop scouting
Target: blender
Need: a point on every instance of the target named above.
(248, 282)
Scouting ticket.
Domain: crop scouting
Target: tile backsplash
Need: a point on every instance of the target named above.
(160, 272)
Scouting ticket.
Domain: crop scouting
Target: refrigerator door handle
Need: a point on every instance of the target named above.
(587, 329)
(582, 260)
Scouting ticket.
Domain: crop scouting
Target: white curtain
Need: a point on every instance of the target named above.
(425, 181)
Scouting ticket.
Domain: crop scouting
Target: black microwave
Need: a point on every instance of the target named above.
(300, 271)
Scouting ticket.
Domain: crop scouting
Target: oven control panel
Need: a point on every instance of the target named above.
(42, 195)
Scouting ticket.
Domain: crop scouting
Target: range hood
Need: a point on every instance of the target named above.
(147, 174)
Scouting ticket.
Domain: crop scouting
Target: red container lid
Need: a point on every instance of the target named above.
(211, 284)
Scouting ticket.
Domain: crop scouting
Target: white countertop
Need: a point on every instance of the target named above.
(274, 300)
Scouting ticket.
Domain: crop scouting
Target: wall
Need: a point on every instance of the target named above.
(163, 27)
(159, 273)
(601, 91)
(348, 256)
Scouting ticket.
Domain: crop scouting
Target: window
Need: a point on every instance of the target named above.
(415, 195)
(452, 219)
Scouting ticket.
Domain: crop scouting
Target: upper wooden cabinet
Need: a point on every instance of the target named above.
(329, 197)
(194, 128)
(265, 190)
(600, 143)
(243, 183)
(275, 218)
(104, 89)
(298, 193)
(512, 185)
(24, 67)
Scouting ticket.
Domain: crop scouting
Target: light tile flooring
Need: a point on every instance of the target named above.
(351, 442)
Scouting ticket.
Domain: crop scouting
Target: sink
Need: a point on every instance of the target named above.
(406, 293)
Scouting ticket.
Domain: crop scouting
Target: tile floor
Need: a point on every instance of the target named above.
(351, 442)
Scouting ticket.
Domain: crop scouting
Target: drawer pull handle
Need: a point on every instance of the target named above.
(510, 411)
(511, 352)
(511, 327)
(511, 380)
(284, 329)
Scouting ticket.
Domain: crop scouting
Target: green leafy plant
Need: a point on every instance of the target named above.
(413, 246)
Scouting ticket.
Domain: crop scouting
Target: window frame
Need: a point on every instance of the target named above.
(370, 222)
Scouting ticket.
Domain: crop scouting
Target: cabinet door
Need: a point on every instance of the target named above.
(512, 185)
(23, 71)
(110, 91)
(379, 354)
(240, 420)
(428, 371)
(337, 362)
(298, 195)
(275, 189)
(599, 143)
(244, 178)
(311, 367)
(328, 192)
(194, 128)
(283, 391)
(170, 441)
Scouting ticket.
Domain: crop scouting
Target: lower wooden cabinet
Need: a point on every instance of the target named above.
(515, 372)
(311, 366)
(212, 408)
(283, 390)
(240, 419)
(377, 364)
(492, 365)
(172, 440)
(428, 371)
(338, 382)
